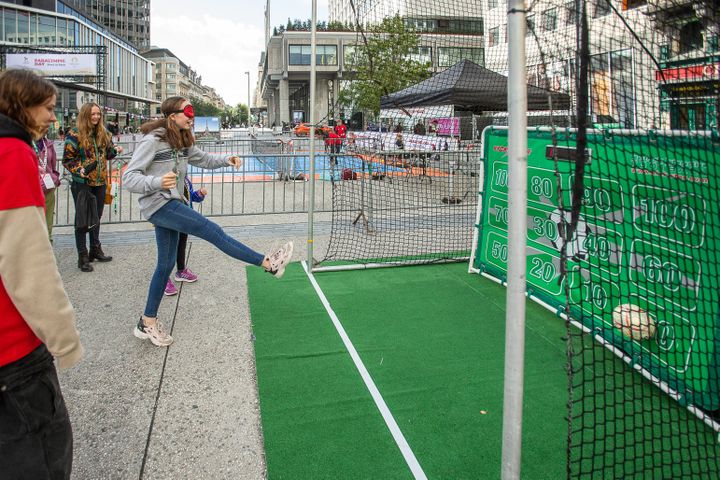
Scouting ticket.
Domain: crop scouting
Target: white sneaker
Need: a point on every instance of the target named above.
(279, 259)
(155, 333)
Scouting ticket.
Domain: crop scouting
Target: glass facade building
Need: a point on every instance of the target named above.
(128, 84)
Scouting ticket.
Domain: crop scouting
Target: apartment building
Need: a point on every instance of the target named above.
(173, 77)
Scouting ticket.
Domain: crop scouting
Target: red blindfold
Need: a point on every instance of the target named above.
(187, 111)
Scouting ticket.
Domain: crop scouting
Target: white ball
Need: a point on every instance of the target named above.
(633, 321)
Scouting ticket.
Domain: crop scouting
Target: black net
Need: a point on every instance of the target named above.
(622, 109)
(406, 184)
(622, 220)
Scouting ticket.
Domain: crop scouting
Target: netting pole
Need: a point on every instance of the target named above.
(517, 227)
(311, 189)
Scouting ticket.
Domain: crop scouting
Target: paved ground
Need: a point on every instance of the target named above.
(188, 411)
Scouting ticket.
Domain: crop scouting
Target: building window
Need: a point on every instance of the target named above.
(448, 56)
(468, 26)
(691, 37)
(324, 55)
(530, 25)
(493, 36)
(23, 33)
(421, 55)
(549, 20)
(628, 4)
(664, 52)
(465, 26)
(421, 24)
(712, 42)
(570, 13)
(10, 26)
(350, 55)
(602, 8)
(612, 97)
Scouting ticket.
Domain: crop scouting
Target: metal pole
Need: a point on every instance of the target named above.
(311, 189)
(249, 99)
(517, 229)
(248, 74)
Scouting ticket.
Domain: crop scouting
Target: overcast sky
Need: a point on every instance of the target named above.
(222, 39)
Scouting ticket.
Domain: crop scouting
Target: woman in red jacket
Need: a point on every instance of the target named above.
(37, 321)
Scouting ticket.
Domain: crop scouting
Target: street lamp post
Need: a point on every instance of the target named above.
(248, 75)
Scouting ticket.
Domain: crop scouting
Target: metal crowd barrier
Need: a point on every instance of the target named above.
(273, 179)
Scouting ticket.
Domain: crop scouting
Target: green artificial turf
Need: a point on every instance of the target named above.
(432, 338)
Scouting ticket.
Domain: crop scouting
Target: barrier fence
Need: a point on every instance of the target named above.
(271, 180)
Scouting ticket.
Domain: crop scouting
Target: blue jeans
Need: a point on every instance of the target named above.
(170, 221)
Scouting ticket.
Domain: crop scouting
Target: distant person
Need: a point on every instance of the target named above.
(341, 131)
(184, 274)
(332, 142)
(88, 149)
(49, 176)
(37, 321)
(399, 141)
(159, 162)
(419, 128)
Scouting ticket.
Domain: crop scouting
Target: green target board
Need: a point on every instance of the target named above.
(646, 236)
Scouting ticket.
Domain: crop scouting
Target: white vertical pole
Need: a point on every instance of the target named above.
(311, 189)
(517, 229)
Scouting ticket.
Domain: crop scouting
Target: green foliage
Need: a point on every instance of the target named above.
(304, 26)
(383, 65)
(336, 26)
(205, 109)
(235, 115)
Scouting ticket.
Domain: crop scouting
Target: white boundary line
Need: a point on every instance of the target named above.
(379, 402)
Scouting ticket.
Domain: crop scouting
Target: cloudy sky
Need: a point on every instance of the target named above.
(222, 39)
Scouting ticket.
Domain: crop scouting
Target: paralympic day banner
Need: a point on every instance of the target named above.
(50, 64)
(645, 236)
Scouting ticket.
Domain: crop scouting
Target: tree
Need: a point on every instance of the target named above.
(383, 65)
(235, 115)
(205, 109)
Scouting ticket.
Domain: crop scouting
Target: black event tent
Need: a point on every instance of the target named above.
(470, 87)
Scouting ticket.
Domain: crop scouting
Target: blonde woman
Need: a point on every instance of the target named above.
(88, 149)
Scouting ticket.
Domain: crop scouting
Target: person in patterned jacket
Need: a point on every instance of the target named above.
(88, 149)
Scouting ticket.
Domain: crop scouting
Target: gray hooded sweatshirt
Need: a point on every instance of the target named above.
(152, 159)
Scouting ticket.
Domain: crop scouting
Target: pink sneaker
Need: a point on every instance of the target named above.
(170, 289)
(185, 275)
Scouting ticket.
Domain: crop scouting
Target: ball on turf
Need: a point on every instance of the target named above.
(633, 321)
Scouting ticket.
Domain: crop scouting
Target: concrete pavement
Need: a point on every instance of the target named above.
(187, 411)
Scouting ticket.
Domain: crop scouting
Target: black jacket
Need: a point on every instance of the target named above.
(9, 128)
(86, 215)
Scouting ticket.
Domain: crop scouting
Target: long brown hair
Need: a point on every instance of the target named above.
(21, 89)
(176, 138)
(87, 131)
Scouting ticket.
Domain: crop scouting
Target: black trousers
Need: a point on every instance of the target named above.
(81, 237)
(182, 246)
(35, 434)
